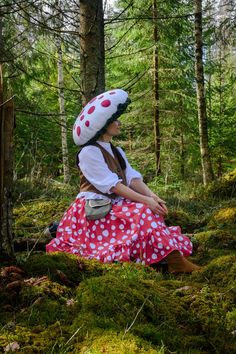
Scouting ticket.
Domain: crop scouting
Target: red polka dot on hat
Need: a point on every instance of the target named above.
(91, 110)
(106, 103)
(78, 130)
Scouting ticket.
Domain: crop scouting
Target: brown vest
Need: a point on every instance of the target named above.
(113, 165)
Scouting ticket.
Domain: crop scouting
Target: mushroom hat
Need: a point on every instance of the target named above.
(98, 114)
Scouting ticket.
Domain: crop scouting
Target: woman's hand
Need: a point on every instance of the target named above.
(156, 206)
(161, 202)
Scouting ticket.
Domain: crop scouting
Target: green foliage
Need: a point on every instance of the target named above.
(31, 74)
(42, 188)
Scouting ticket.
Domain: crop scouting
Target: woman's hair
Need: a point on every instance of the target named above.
(116, 153)
(119, 157)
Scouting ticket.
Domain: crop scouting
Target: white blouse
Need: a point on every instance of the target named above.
(96, 171)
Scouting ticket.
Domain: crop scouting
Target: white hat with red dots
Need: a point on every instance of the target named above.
(98, 114)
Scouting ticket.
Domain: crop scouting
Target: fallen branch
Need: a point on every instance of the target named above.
(29, 244)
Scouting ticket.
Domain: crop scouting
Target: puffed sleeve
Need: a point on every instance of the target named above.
(95, 169)
(130, 172)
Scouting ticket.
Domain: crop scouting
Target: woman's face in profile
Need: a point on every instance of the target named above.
(113, 129)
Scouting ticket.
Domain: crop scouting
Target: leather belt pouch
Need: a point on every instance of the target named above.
(97, 208)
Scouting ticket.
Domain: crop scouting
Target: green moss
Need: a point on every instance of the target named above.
(222, 188)
(30, 293)
(132, 271)
(222, 239)
(33, 217)
(121, 298)
(113, 302)
(75, 269)
(231, 321)
(208, 309)
(204, 256)
(30, 342)
(159, 314)
(223, 218)
(166, 313)
(179, 217)
(220, 271)
(45, 311)
(113, 342)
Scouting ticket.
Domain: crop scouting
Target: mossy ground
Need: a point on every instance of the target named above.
(59, 303)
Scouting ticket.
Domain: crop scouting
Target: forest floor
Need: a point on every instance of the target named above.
(58, 303)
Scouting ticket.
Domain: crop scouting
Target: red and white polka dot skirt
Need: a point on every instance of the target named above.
(130, 232)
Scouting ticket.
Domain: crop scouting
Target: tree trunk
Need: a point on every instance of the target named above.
(6, 162)
(156, 111)
(201, 103)
(92, 53)
(6, 175)
(182, 151)
(65, 159)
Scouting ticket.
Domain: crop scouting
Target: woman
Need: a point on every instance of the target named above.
(115, 217)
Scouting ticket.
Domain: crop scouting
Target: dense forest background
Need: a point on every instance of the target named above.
(42, 37)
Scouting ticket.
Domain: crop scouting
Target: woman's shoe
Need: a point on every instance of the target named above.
(179, 264)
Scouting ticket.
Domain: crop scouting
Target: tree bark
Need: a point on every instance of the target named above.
(6, 176)
(156, 111)
(58, 21)
(63, 119)
(201, 102)
(6, 161)
(182, 142)
(92, 52)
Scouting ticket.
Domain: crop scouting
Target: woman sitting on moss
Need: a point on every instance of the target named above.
(115, 217)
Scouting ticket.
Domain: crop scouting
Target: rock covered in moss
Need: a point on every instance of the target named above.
(223, 217)
(208, 309)
(118, 303)
(222, 239)
(53, 264)
(220, 271)
(117, 342)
